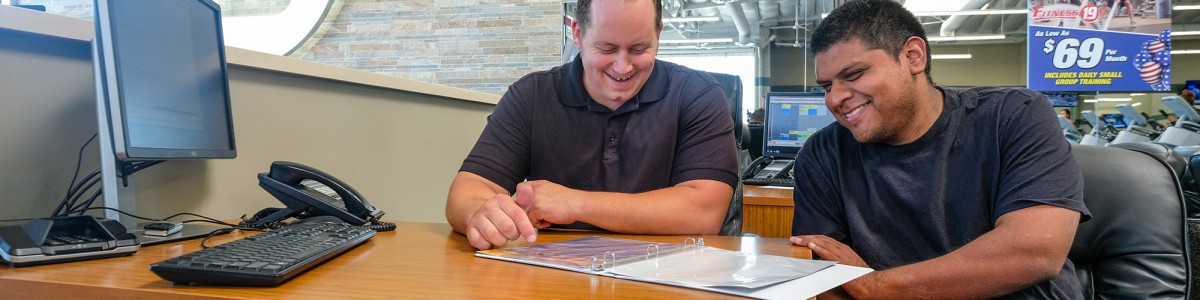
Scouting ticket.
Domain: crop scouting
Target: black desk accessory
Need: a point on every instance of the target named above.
(63, 239)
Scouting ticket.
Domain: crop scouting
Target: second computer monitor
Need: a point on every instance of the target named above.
(790, 119)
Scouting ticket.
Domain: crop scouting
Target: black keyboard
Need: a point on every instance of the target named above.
(266, 259)
(769, 181)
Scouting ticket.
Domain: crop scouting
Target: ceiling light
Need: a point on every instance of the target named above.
(1115, 99)
(1178, 52)
(1089, 101)
(1137, 94)
(951, 56)
(1186, 7)
(692, 19)
(1135, 104)
(966, 38)
(971, 12)
(696, 41)
(1182, 33)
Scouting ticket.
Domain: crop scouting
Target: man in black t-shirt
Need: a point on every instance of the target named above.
(614, 140)
(947, 193)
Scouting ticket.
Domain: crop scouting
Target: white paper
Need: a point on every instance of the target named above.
(715, 267)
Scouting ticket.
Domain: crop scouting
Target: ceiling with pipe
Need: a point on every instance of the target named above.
(787, 23)
(742, 24)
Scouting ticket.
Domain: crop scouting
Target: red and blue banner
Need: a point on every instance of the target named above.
(1082, 48)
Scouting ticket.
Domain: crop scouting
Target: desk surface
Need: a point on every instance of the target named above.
(418, 260)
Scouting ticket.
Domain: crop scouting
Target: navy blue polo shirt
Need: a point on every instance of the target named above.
(990, 152)
(547, 127)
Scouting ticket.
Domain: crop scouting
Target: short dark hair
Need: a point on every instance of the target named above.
(583, 15)
(878, 24)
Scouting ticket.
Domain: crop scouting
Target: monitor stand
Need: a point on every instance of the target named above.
(119, 194)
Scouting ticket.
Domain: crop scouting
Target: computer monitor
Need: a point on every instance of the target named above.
(1062, 99)
(162, 89)
(1131, 116)
(791, 118)
(1116, 120)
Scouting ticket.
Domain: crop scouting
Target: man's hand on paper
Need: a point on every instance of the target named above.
(830, 249)
(547, 203)
(498, 221)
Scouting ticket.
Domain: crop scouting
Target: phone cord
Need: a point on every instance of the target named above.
(381, 226)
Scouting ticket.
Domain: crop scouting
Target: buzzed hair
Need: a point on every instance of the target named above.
(878, 24)
(583, 15)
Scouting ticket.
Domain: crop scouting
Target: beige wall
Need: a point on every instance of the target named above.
(399, 148)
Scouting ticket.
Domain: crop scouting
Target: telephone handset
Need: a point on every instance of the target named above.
(768, 167)
(309, 192)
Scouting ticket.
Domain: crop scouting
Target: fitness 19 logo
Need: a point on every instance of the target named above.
(1088, 13)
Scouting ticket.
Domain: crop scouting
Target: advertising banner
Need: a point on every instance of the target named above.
(1092, 47)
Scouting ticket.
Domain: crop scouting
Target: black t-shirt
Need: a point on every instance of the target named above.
(546, 127)
(990, 152)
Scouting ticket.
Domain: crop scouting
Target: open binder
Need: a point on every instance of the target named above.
(690, 264)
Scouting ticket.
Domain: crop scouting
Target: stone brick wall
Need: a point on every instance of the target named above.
(480, 45)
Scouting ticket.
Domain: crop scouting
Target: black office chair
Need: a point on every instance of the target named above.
(1192, 192)
(1133, 247)
(732, 225)
(732, 86)
(756, 141)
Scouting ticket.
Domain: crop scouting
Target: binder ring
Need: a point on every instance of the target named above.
(654, 252)
(596, 264)
(610, 260)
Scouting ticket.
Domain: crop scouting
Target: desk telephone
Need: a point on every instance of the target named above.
(769, 171)
(768, 167)
(308, 192)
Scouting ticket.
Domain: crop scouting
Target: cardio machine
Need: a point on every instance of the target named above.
(1136, 130)
(1101, 132)
(1186, 131)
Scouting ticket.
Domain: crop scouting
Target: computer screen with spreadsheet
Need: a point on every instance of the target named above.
(790, 119)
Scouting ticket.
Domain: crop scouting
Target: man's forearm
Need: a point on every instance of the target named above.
(1027, 247)
(467, 193)
(694, 207)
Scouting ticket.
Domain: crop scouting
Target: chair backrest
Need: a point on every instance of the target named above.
(733, 218)
(756, 140)
(1193, 204)
(732, 85)
(1133, 247)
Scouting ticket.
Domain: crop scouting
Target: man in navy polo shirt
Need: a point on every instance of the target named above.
(614, 140)
(948, 193)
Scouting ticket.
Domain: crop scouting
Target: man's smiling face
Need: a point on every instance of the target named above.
(617, 50)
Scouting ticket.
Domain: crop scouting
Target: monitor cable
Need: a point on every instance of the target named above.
(65, 205)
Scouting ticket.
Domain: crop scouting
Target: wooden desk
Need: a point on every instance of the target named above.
(418, 260)
(767, 211)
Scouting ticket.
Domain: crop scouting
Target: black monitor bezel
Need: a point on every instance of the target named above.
(781, 152)
(111, 88)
